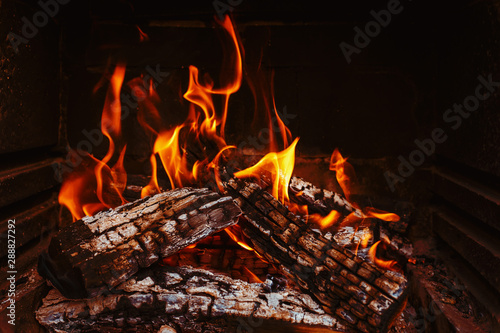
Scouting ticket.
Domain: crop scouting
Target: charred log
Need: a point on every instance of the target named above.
(318, 200)
(108, 248)
(323, 201)
(183, 299)
(349, 287)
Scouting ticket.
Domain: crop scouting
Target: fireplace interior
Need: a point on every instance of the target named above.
(412, 100)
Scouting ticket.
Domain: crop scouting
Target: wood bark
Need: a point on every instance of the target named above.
(323, 201)
(183, 299)
(99, 252)
(352, 289)
(318, 200)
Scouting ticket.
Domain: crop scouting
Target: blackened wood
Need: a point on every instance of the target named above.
(349, 287)
(318, 200)
(323, 201)
(108, 248)
(183, 299)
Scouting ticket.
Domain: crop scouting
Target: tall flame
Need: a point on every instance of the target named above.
(94, 186)
(202, 122)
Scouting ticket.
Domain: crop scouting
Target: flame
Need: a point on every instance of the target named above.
(236, 235)
(262, 87)
(143, 37)
(175, 164)
(363, 242)
(252, 277)
(344, 172)
(380, 214)
(93, 185)
(346, 177)
(202, 124)
(385, 264)
(325, 221)
(280, 166)
(215, 164)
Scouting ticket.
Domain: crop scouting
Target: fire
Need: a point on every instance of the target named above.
(386, 264)
(202, 123)
(252, 277)
(143, 37)
(235, 233)
(181, 148)
(326, 221)
(363, 242)
(280, 166)
(380, 214)
(344, 172)
(94, 186)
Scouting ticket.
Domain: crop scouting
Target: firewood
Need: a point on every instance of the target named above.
(99, 252)
(323, 201)
(184, 299)
(318, 200)
(232, 262)
(354, 290)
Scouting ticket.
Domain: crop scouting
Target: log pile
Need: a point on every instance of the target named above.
(102, 261)
(183, 299)
(354, 290)
(99, 252)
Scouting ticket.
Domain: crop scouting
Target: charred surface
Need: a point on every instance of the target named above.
(183, 299)
(108, 248)
(348, 287)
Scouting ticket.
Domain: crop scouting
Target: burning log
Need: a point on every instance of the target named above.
(183, 299)
(106, 249)
(349, 287)
(323, 201)
(318, 200)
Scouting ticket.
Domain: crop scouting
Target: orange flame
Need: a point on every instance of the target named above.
(202, 123)
(235, 233)
(280, 166)
(380, 214)
(363, 242)
(344, 171)
(252, 277)
(325, 221)
(142, 35)
(385, 264)
(94, 188)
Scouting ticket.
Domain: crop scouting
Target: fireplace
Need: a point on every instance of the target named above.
(407, 91)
